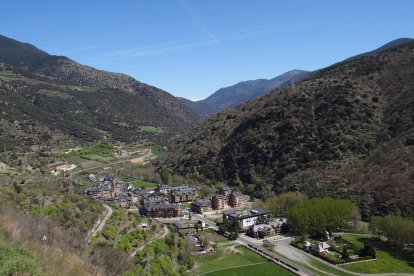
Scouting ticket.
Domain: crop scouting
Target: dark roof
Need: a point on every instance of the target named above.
(253, 213)
(59, 163)
(182, 190)
(226, 188)
(153, 206)
(202, 202)
(163, 187)
(185, 223)
(220, 196)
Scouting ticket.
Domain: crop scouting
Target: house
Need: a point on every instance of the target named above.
(187, 226)
(226, 191)
(182, 194)
(256, 216)
(161, 209)
(260, 230)
(92, 177)
(54, 166)
(319, 248)
(278, 224)
(132, 198)
(219, 202)
(154, 197)
(164, 189)
(235, 199)
(122, 202)
(201, 206)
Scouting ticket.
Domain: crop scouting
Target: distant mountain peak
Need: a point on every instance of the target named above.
(241, 92)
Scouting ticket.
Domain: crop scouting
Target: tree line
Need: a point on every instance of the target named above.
(320, 214)
(397, 230)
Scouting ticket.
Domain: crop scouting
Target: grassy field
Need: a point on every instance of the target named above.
(211, 235)
(224, 262)
(14, 260)
(267, 268)
(185, 205)
(100, 149)
(388, 260)
(328, 269)
(144, 184)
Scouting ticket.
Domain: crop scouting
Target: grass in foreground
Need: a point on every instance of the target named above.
(326, 268)
(267, 268)
(388, 260)
(223, 262)
(14, 260)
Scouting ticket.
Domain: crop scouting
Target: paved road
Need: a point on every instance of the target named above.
(102, 223)
(163, 235)
(284, 248)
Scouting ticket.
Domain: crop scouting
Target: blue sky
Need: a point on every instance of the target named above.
(192, 48)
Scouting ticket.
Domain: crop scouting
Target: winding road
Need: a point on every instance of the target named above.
(101, 223)
(163, 235)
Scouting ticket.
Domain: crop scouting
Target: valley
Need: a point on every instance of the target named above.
(287, 172)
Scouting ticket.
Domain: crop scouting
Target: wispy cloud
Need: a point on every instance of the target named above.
(155, 49)
(199, 22)
(179, 45)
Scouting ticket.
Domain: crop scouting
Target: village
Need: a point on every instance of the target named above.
(179, 205)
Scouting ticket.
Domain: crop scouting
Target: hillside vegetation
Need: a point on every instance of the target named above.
(47, 100)
(348, 131)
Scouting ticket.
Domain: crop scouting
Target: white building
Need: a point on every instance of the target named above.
(245, 221)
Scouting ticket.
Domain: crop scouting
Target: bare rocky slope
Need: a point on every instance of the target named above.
(347, 131)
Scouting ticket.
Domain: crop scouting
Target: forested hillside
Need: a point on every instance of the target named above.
(348, 131)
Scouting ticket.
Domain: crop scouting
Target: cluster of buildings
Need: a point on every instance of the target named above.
(223, 199)
(160, 202)
(163, 201)
(256, 223)
(113, 191)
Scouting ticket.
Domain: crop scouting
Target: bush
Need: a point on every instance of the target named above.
(368, 250)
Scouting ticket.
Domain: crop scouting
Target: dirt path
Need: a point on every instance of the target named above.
(163, 235)
(102, 223)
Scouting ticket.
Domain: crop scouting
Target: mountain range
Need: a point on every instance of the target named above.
(47, 97)
(345, 131)
(242, 92)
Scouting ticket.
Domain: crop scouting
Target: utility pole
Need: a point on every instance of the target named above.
(70, 184)
(147, 261)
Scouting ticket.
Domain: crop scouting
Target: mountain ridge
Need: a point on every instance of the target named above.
(46, 100)
(327, 137)
(241, 92)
